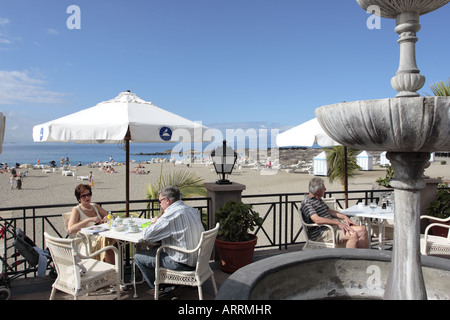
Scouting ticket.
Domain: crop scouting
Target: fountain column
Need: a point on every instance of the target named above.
(408, 79)
(409, 127)
(405, 280)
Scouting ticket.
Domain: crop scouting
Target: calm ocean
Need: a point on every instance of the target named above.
(86, 153)
(89, 153)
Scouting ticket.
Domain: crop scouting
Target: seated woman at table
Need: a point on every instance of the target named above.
(87, 214)
(315, 210)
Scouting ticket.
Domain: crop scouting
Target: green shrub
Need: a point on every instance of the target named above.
(440, 208)
(236, 220)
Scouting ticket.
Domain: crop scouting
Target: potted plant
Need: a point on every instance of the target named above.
(440, 208)
(235, 245)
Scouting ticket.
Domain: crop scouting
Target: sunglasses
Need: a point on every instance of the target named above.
(86, 195)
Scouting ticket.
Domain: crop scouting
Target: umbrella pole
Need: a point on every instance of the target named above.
(127, 188)
(127, 174)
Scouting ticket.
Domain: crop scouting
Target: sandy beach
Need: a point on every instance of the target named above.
(41, 188)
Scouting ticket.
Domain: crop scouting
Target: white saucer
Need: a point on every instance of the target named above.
(134, 231)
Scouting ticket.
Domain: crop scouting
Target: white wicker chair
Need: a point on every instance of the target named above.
(435, 245)
(66, 218)
(310, 244)
(79, 274)
(189, 278)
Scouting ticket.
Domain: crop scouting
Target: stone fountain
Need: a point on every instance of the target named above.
(409, 127)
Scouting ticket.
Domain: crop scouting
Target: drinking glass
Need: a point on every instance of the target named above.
(373, 206)
(392, 202)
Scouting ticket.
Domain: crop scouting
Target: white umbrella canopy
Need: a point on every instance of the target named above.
(306, 135)
(109, 122)
(122, 119)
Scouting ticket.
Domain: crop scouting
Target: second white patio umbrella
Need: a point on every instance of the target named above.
(309, 134)
(123, 119)
(306, 135)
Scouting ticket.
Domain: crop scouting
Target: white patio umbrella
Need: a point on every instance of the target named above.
(123, 119)
(307, 135)
(2, 130)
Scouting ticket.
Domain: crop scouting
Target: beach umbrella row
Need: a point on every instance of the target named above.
(126, 118)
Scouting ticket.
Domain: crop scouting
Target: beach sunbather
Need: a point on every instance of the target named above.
(137, 171)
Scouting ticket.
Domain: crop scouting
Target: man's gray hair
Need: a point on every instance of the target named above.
(315, 185)
(172, 193)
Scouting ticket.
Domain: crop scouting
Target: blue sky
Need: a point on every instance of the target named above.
(228, 63)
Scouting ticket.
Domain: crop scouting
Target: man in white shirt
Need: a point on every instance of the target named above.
(179, 225)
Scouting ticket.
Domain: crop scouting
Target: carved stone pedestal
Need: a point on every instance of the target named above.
(405, 280)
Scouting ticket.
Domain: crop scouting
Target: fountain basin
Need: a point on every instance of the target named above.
(416, 124)
(327, 274)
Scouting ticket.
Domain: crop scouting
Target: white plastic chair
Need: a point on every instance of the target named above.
(332, 204)
(435, 245)
(80, 274)
(310, 244)
(189, 278)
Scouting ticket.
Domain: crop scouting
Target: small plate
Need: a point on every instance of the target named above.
(134, 231)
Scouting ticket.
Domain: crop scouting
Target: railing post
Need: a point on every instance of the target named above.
(220, 194)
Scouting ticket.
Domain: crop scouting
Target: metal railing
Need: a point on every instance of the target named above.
(29, 216)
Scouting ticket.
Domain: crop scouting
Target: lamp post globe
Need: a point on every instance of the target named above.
(224, 158)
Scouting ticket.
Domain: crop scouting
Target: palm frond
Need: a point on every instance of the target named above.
(440, 89)
(189, 183)
(336, 164)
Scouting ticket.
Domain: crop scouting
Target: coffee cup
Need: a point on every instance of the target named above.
(118, 222)
(133, 228)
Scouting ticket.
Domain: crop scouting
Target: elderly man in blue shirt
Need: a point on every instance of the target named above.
(180, 225)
